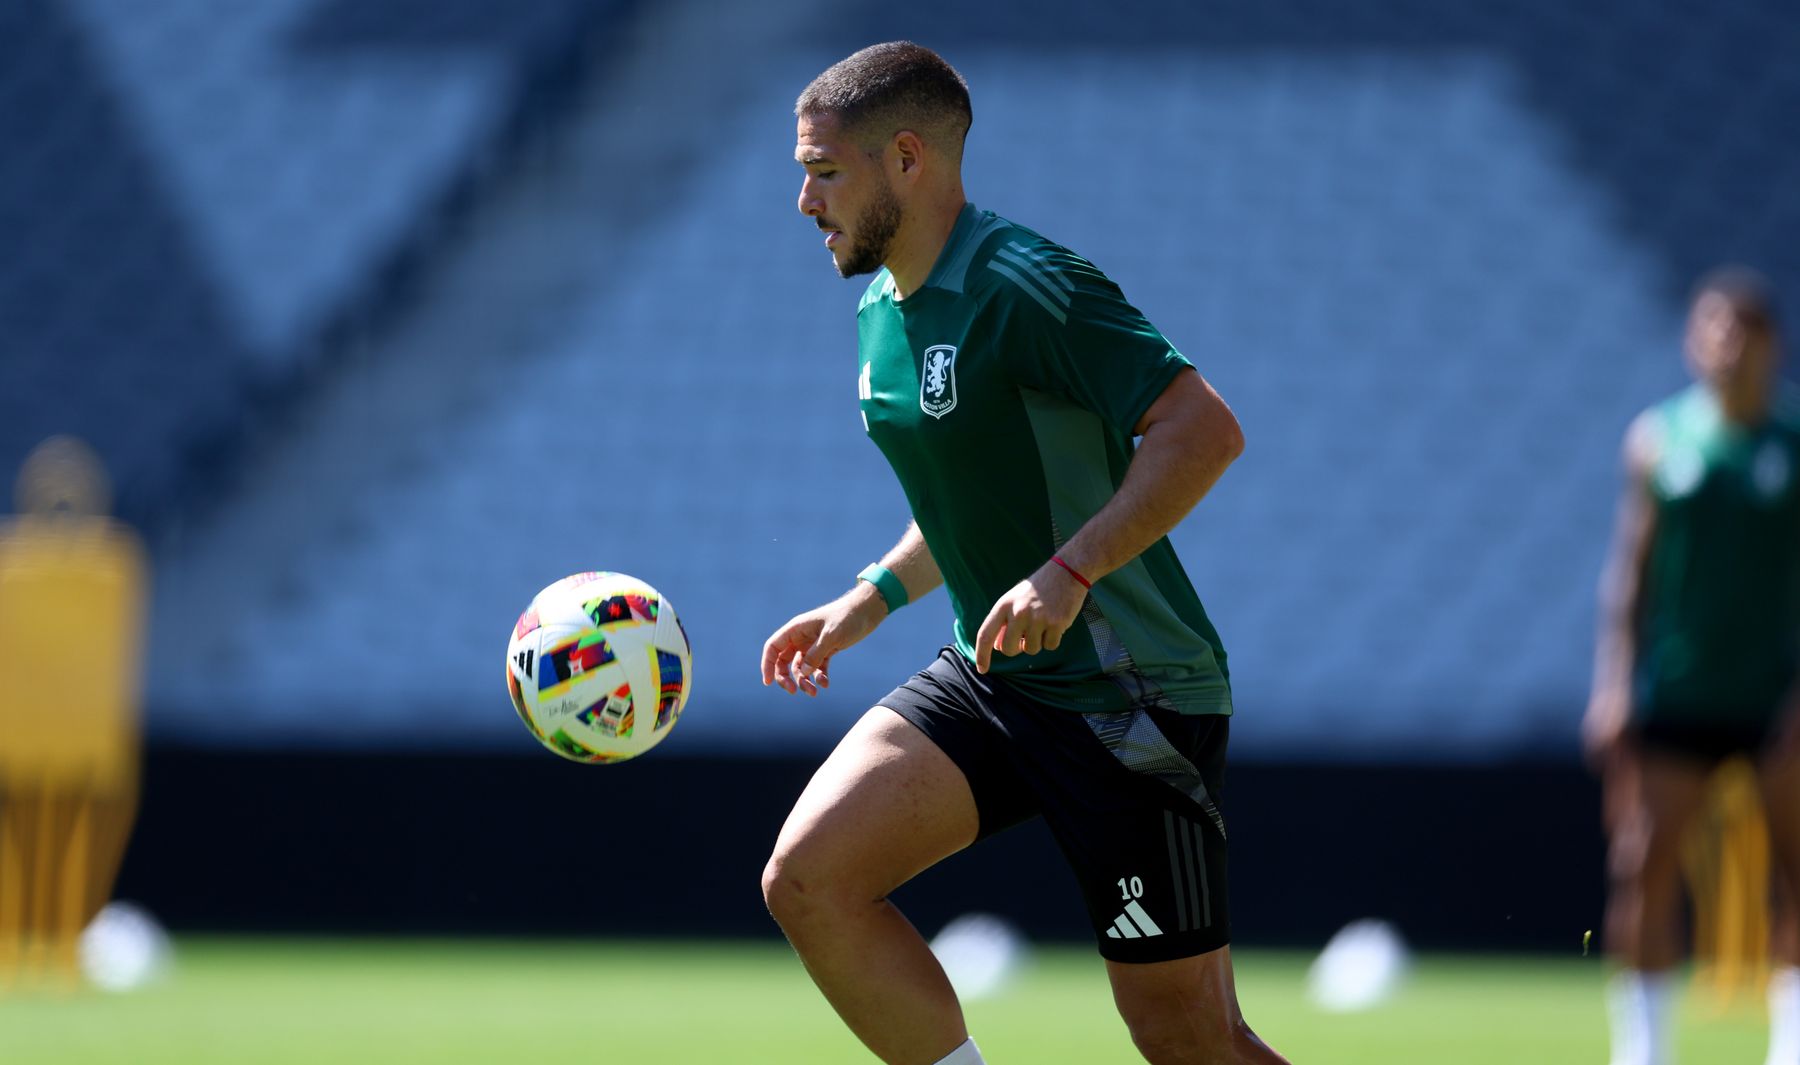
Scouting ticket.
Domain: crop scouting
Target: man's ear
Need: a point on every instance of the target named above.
(909, 152)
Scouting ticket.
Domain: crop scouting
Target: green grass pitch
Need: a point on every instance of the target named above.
(277, 1001)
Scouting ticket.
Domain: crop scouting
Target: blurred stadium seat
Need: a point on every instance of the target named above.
(201, 192)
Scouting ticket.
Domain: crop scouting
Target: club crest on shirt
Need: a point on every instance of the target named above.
(937, 380)
(1771, 470)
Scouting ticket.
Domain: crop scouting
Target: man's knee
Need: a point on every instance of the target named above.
(784, 889)
(799, 887)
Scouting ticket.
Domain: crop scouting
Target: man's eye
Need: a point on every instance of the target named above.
(823, 174)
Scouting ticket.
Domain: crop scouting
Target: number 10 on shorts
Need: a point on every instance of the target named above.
(1130, 889)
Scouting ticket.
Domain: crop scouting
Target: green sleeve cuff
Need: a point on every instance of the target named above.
(893, 593)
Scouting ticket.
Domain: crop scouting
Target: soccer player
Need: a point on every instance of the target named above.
(1005, 377)
(1699, 651)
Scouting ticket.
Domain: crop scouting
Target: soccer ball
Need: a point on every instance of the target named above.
(599, 667)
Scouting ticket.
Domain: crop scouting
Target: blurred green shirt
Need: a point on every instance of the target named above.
(1721, 631)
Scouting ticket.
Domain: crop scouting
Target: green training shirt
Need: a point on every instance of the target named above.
(1003, 393)
(1722, 625)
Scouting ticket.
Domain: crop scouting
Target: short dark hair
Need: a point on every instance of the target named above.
(886, 88)
(1750, 294)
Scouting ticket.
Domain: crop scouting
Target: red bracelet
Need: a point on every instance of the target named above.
(1085, 583)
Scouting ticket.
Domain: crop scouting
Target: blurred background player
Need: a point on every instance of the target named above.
(1699, 648)
(71, 605)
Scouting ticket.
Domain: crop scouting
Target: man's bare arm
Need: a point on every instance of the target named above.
(797, 657)
(1189, 437)
(911, 561)
(1622, 598)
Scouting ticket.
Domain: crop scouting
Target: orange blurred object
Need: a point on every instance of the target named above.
(72, 597)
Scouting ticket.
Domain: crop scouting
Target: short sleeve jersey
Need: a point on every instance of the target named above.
(1004, 393)
(1722, 624)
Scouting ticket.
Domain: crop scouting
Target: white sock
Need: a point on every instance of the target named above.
(967, 1054)
(1784, 1016)
(1639, 1005)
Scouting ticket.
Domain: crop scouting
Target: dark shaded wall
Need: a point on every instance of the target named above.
(1505, 857)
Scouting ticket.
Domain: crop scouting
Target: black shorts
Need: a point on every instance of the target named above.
(1707, 741)
(1131, 797)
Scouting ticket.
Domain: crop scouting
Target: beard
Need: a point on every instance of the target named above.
(875, 229)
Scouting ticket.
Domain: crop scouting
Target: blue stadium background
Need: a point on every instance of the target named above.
(385, 315)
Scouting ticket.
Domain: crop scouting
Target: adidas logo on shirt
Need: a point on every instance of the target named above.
(1134, 923)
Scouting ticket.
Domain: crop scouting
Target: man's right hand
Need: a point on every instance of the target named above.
(798, 656)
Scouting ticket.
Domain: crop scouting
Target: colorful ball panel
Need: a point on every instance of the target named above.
(599, 667)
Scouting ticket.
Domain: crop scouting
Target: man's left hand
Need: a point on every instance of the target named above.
(1032, 617)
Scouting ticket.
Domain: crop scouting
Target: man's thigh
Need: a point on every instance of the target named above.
(1202, 986)
(885, 806)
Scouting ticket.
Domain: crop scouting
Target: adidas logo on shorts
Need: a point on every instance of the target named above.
(1134, 923)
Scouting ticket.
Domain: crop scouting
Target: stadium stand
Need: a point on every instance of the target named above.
(112, 327)
(207, 192)
(1434, 259)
